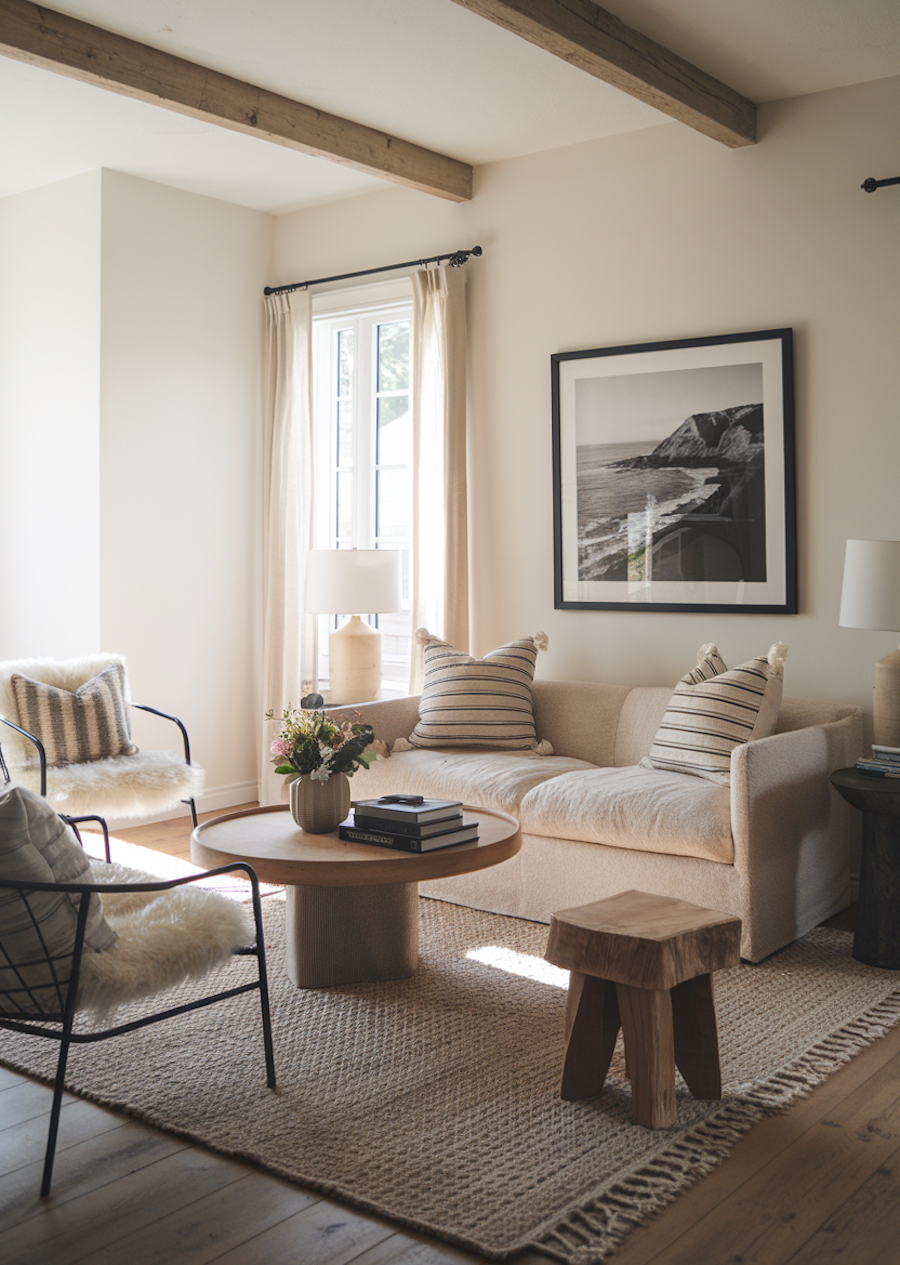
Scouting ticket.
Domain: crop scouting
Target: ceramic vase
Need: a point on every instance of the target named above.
(320, 807)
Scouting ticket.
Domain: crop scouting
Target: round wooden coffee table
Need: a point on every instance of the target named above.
(351, 908)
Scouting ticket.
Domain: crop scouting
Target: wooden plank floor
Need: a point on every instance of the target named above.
(818, 1184)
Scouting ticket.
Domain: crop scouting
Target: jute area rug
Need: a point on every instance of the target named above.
(435, 1101)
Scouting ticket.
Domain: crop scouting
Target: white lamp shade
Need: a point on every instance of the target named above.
(871, 594)
(353, 581)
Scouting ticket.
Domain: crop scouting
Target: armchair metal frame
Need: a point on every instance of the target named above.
(64, 975)
(75, 821)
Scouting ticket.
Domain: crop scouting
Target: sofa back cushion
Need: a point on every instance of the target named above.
(580, 718)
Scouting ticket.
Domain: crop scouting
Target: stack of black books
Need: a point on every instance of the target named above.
(409, 823)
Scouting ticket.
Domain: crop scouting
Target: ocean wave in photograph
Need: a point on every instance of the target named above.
(607, 494)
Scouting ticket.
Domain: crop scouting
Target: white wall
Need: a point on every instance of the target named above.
(665, 234)
(180, 574)
(49, 419)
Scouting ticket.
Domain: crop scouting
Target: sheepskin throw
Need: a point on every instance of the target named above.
(36, 844)
(712, 711)
(164, 938)
(90, 723)
(469, 702)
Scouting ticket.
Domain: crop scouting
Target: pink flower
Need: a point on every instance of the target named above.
(281, 746)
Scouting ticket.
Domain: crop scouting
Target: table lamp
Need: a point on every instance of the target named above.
(871, 599)
(344, 582)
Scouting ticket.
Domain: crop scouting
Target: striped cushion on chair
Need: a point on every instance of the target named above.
(90, 724)
(469, 702)
(37, 845)
(712, 711)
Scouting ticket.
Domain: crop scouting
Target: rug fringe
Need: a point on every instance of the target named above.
(587, 1233)
(810, 1069)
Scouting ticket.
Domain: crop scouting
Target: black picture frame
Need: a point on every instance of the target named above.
(674, 476)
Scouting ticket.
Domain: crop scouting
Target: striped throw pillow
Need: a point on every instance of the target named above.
(469, 702)
(91, 724)
(37, 845)
(712, 711)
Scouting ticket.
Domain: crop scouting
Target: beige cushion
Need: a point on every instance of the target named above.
(712, 711)
(36, 844)
(75, 727)
(468, 702)
(482, 779)
(644, 809)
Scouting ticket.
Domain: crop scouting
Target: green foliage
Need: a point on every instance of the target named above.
(315, 744)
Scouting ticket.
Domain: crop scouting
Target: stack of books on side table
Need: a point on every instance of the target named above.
(409, 823)
(883, 762)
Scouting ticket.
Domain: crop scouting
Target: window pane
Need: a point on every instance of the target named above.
(345, 361)
(394, 430)
(393, 356)
(344, 507)
(345, 433)
(393, 516)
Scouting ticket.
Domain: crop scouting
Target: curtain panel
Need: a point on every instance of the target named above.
(440, 578)
(289, 635)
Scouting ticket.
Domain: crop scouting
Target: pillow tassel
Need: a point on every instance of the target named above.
(706, 651)
(776, 657)
(541, 640)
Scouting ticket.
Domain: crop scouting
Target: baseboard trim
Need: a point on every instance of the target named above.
(212, 800)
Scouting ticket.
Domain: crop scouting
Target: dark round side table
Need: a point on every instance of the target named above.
(876, 940)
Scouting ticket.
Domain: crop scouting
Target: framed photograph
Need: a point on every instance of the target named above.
(673, 476)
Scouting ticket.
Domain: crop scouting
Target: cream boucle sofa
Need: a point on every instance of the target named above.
(773, 847)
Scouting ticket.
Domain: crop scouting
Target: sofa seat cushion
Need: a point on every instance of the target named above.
(482, 779)
(649, 810)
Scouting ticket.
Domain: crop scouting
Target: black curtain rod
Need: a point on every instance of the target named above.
(457, 259)
(871, 185)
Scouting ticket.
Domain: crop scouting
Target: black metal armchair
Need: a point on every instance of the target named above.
(40, 989)
(134, 784)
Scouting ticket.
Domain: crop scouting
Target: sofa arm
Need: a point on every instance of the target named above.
(793, 834)
(391, 718)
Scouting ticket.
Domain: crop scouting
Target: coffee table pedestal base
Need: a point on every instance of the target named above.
(351, 935)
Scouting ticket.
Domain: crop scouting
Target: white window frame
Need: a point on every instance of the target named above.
(364, 308)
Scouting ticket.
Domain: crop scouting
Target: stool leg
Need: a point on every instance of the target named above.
(647, 1025)
(696, 1037)
(592, 1025)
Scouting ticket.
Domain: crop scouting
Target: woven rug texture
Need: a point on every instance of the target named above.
(435, 1101)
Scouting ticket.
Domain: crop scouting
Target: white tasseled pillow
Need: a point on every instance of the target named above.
(468, 702)
(713, 710)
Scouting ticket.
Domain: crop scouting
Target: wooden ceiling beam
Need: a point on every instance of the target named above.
(54, 41)
(586, 36)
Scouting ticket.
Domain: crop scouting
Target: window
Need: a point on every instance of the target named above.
(363, 430)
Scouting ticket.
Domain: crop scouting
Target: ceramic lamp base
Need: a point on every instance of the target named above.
(354, 663)
(886, 701)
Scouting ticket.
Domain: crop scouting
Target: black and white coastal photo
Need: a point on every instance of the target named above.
(672, 467)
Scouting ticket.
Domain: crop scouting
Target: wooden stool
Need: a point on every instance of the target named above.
(643, 963)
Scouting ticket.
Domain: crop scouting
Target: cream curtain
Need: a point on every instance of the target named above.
(440, 578)
(289, 635)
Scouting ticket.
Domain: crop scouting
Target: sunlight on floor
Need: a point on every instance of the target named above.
(520, 964)
(161, 865)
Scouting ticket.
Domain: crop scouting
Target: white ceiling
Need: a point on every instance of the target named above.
(424, 70)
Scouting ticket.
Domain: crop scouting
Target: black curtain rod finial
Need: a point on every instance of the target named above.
(871, 184)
